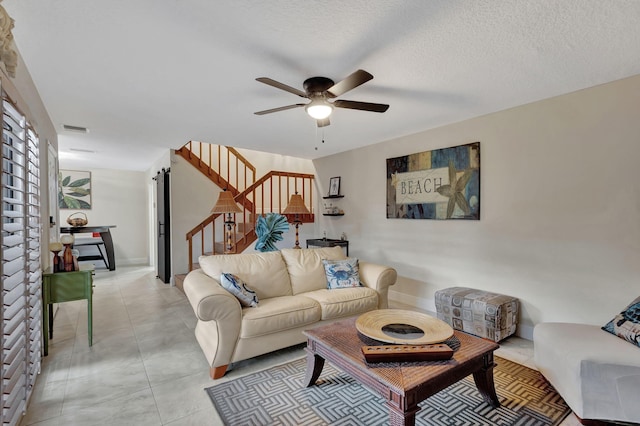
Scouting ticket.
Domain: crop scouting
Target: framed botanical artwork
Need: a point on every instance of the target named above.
(439, 184)
(74, 190)
(334, 186)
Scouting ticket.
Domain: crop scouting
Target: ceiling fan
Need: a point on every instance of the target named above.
(319, 90)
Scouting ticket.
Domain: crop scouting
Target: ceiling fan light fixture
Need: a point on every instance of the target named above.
(319, 90)
(319, 109)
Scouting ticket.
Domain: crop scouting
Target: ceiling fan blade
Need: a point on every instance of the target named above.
(281, 86)
(269, 111)
(365, 106)
(351, 82)
(323, 123)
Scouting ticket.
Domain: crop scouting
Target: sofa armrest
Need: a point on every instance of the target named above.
(209, 300)
(379, 278)
(219, 318)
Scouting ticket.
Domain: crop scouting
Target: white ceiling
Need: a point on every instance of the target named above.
(147, 75)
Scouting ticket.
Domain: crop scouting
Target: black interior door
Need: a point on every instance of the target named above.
(163, 226)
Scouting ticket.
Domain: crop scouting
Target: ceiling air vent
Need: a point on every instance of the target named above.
(75, 128)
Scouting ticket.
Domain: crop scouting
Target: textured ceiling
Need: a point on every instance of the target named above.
(147, 75)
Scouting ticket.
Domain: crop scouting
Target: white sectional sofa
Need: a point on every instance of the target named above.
(291, 288)
(596, 372)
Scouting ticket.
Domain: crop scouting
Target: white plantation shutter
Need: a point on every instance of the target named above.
(21, 306)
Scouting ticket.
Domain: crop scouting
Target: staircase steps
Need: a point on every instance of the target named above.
(179, 280)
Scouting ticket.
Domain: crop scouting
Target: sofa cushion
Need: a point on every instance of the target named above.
(278, 314)
(239, 289)
(626, 324)
(305, 267)
(344, 302)
(266, 273)
(342, 273)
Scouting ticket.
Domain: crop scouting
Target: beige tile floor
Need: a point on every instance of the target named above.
(145, 366)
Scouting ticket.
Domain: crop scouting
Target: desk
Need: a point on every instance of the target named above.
(65, 287)
(327, 242)
(105, 234)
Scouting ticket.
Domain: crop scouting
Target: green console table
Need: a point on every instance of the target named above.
(65, 287)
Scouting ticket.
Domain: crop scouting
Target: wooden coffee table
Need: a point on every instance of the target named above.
(403, 384)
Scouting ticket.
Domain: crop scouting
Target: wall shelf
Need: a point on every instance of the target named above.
(337, 211)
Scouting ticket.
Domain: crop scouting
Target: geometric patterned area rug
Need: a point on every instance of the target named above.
(277, 396)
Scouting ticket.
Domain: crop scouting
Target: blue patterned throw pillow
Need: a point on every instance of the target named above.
(342, 273)
(239, 289)
(626, 324)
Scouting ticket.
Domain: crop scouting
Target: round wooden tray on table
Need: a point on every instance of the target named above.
(403, 327)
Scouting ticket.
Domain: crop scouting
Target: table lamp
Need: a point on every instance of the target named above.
(296, 206)
(226, 204)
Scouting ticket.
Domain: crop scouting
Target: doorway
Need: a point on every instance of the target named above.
(163, 225)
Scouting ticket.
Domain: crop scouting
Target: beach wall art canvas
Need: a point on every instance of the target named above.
(439, 184)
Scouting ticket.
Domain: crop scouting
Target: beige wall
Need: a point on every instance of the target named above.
(192, 198)
(120, 198)
(560, 208)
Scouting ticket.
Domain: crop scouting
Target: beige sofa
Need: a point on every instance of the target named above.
(291, 287)
(595, 372)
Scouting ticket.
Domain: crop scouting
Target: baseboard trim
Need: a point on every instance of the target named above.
(426, 305)
(134, 261)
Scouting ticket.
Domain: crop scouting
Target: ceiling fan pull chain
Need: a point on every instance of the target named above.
(316, 148)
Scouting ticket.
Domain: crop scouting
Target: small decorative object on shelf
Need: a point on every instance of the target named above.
(77, 221)
(75, 253)
(343, 236)
(56, 247)
(334, 186)
(334, 192)
(67, 255)
(331, 209)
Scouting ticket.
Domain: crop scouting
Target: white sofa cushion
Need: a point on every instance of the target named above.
(266, 273)
(595, 372)
(626, 325)
(342, 273)
(243, 292)
(306, 269)
(344, 302)
(278, 314)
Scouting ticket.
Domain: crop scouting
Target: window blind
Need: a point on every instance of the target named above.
(21, 306)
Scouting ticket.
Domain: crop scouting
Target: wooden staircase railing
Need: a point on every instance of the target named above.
(270, 193)
(224, 165)
(273, 191)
